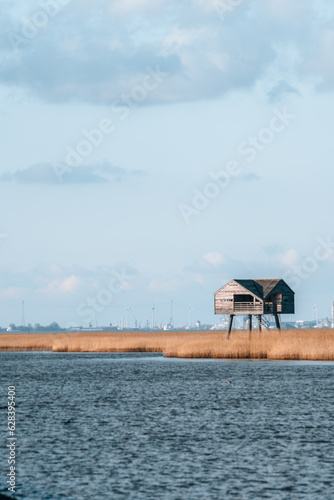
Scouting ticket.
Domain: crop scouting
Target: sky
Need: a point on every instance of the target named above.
(153, 150)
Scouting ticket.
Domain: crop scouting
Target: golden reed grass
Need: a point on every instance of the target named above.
(287, 344)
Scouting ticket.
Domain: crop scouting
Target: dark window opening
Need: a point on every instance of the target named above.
(243, 298)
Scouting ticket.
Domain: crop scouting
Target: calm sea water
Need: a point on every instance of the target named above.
(123, 426)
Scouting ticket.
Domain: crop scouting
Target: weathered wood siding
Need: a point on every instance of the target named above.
(224, 303)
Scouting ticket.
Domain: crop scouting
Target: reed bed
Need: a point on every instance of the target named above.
(284, 345)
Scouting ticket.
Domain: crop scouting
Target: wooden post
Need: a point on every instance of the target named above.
(229, 326)
(259, 318)
(249, 324)
(278, 326)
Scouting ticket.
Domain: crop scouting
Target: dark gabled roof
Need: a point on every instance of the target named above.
(261, 288)
(252, 286)
(267, 286)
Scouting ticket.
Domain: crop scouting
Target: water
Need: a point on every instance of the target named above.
(122, 426)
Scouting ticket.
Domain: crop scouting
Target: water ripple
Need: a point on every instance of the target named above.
(142, 427)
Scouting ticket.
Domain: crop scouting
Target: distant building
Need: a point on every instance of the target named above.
(254, 297)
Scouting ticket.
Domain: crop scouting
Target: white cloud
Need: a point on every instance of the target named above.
(61, 286)
(214, 258)
(289, 259)
(198, 278)
(179, 38)
(126, 286)
(70, 284)
(13, 292)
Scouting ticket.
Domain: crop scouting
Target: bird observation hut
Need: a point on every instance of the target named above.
(255, 297)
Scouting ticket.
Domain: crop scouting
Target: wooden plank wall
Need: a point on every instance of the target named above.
(224, 298)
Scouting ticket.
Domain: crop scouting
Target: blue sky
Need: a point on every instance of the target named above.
(154, 150)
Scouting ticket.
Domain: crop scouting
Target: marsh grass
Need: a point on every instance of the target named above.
(288, 344)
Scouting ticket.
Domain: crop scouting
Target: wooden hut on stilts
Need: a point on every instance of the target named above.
(254, 297)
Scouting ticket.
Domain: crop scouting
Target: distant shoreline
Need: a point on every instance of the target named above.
(312, 345)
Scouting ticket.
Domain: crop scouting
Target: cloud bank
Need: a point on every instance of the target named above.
(99, 51)
(84, 174)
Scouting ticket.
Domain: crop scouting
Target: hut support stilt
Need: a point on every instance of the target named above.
(249, 324)
(259, 318)
(229, 325)
(278, 325)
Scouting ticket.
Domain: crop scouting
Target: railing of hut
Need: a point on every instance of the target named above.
(255, 307)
